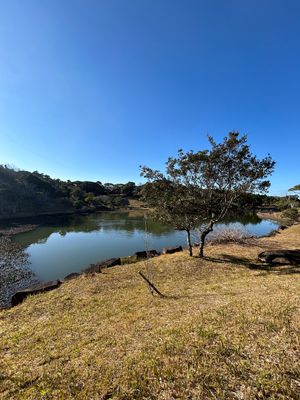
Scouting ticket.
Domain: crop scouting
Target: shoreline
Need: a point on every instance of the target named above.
(16, 222)
(214, 311)
(19, 278)
(273, 216)
(16, 225)
(134, 205)
(15, 271)
(15, 277)
(18, 229)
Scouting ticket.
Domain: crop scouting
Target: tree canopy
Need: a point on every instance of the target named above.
(201, 187)
(33, 193)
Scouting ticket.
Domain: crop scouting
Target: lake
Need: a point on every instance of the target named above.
(65, 244)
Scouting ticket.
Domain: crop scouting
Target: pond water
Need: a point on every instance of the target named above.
(65, 244)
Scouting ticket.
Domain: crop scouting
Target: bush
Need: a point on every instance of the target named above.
(283, 203)
(291, 214)
(120, 201)
(226, 235)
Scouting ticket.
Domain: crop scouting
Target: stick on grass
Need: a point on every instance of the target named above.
(152, 287)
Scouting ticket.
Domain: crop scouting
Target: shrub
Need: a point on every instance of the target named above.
(283, 203)
(291, 214)
(233, 234)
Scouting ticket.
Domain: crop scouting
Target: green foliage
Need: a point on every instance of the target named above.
(205, 185)
(32, 193)
(119, 201)
(286, 202)
(295, 188)
(90, 198)
(283, 203)
(78, 204)
(95, 188)
(295, 197)
(129, 189)
(291, 214)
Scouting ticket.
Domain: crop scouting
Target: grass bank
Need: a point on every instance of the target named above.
(228, 329)
(275, 216)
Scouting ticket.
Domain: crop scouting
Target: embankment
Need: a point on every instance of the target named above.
(228, 328)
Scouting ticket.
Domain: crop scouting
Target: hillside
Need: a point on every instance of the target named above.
(24, 193)
(228, 329)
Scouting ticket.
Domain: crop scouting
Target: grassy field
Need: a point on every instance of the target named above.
(228, 328)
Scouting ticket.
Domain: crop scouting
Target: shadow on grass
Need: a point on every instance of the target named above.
(275, 267)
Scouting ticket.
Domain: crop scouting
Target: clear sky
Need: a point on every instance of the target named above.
(91, 89)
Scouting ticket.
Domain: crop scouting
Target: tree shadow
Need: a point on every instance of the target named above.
(281, 269)
(247, 242)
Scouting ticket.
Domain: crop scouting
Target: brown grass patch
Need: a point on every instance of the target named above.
(229, 329)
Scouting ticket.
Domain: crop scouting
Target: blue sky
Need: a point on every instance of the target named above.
(91, 89)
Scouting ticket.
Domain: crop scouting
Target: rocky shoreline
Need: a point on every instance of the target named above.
(16, 276)
(15, 230)
(18, 283)
(15, 273)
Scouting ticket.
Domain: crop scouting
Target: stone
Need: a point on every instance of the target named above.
(171, 250)
(153, 253)
(112, 262)
(141, 255)
(280, 257)
(70, 276)
(96, 268)
(19, 296)
(92, 269)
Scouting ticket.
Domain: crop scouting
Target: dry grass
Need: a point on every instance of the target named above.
(135, 204)
(227, 330)
(275, 216)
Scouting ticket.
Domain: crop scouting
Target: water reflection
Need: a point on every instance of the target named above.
(67, 244)
(107, 222)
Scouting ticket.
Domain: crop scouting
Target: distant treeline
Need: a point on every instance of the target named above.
(25, 193)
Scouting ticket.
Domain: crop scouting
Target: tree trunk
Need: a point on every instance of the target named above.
(203, 237)
(188, 239)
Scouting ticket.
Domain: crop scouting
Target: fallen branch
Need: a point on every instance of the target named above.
(151, 285)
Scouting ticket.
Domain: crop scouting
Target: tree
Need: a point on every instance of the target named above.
(295, 195)
(295, 188)
(128, 189)
(172, 202)
(199, 188)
